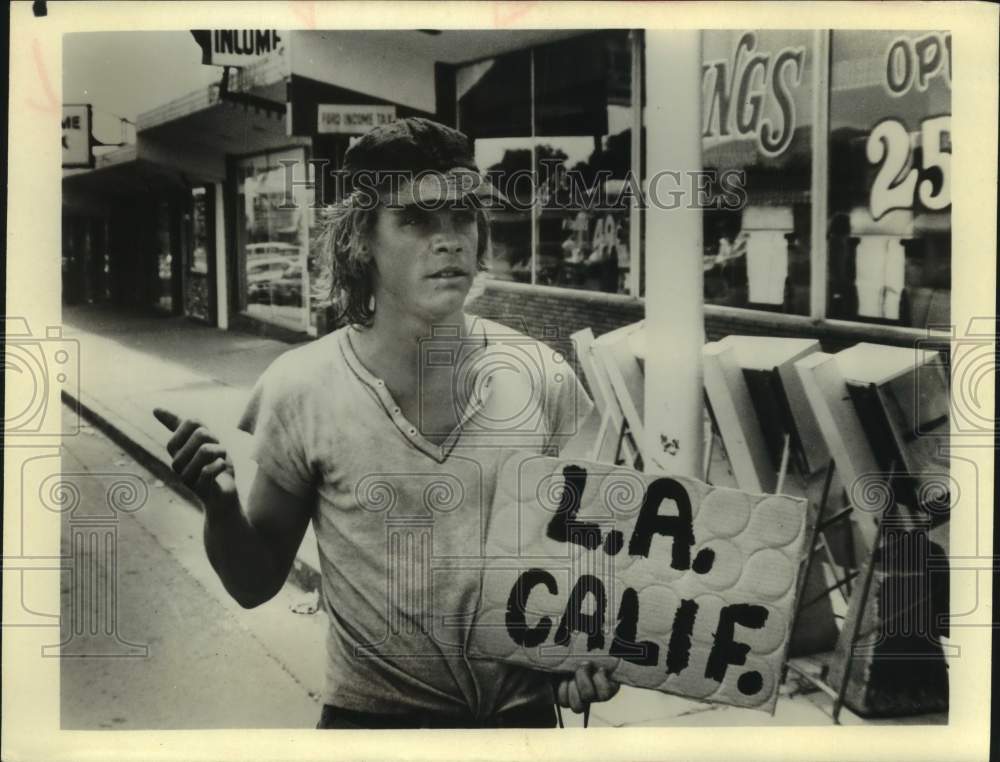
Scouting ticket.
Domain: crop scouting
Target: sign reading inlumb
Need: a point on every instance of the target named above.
(670, 583)
(243, 47)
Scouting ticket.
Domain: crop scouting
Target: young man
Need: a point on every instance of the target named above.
(386, 434)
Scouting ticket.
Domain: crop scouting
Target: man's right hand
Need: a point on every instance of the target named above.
(202, 463)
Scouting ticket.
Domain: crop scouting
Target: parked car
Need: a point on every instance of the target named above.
(262, 272)
(256, 251)
(288, 288)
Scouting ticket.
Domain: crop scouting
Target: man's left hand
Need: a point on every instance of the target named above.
(586, 685)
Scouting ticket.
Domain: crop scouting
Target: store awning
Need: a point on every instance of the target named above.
(122, 173)
(208, 122)
(243, 114)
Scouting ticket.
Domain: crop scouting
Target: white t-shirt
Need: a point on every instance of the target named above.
(400, 521)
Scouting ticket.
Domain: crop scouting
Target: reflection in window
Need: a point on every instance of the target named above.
(494, 96)
(889, 233)
(757, 117)
(164, 258)
(572, 162)
(274, 238)
(200, 232)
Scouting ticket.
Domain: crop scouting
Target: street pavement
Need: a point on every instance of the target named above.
(179, 653)
(131, 363)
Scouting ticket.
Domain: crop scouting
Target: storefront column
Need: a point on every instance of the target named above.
(674, 291)
(221, 273)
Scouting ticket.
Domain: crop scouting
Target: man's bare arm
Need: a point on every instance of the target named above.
(251, 550)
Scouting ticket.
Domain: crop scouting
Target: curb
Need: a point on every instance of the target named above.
(303, 574)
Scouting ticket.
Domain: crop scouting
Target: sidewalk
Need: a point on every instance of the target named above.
(130, 364)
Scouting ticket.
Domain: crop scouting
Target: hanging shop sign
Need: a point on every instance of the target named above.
(340, 119)
(239, 47)
(670, 583)
(77, 138)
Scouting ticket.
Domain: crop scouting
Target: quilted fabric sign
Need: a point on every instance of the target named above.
(671, 583)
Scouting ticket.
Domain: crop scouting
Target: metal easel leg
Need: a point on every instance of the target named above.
(709, 448)
(621, 441)
(783, 470)
(838, 703)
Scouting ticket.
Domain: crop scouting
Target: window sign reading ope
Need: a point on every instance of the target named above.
(670, 583)
(890, 177)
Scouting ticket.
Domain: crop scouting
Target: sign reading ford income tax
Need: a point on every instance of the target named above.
(344, 119)
(672, 584)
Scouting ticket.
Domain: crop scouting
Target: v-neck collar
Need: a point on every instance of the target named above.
(411, 432)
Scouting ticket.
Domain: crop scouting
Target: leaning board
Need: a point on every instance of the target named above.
(672, 584)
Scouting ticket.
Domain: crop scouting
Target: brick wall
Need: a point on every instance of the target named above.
(545, 312)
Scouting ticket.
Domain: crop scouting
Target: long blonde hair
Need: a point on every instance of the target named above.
(347, 262)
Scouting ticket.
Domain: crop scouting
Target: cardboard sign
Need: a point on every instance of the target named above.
(351, 120)
(670, 583)
(77, 143)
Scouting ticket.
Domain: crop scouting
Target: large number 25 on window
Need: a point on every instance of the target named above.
(894, 187)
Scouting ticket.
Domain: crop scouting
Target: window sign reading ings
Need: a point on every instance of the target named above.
(757, 118)
(890, 177)
(670, 583)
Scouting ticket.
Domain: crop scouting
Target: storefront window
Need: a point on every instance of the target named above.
(507, 161)
(757, 118)
(889, 258)
(494, 96)
(164, 258)
(200, 232)
(560, 149)
(197, 236)
(274, 238)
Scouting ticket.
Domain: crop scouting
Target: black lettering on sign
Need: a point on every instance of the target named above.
(517, 627)
(751, 77)
(947, 70)
(650, 522)
(912, 63)
(722, 90)
(750, 98)
(645, 653)
(898, 68)
(726, 650)
(679, 648)
(928, 51)
(263, 41)
(774, 141)
(574, 620)
(564, 526)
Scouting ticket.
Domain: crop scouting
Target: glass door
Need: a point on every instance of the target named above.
(274, 238)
